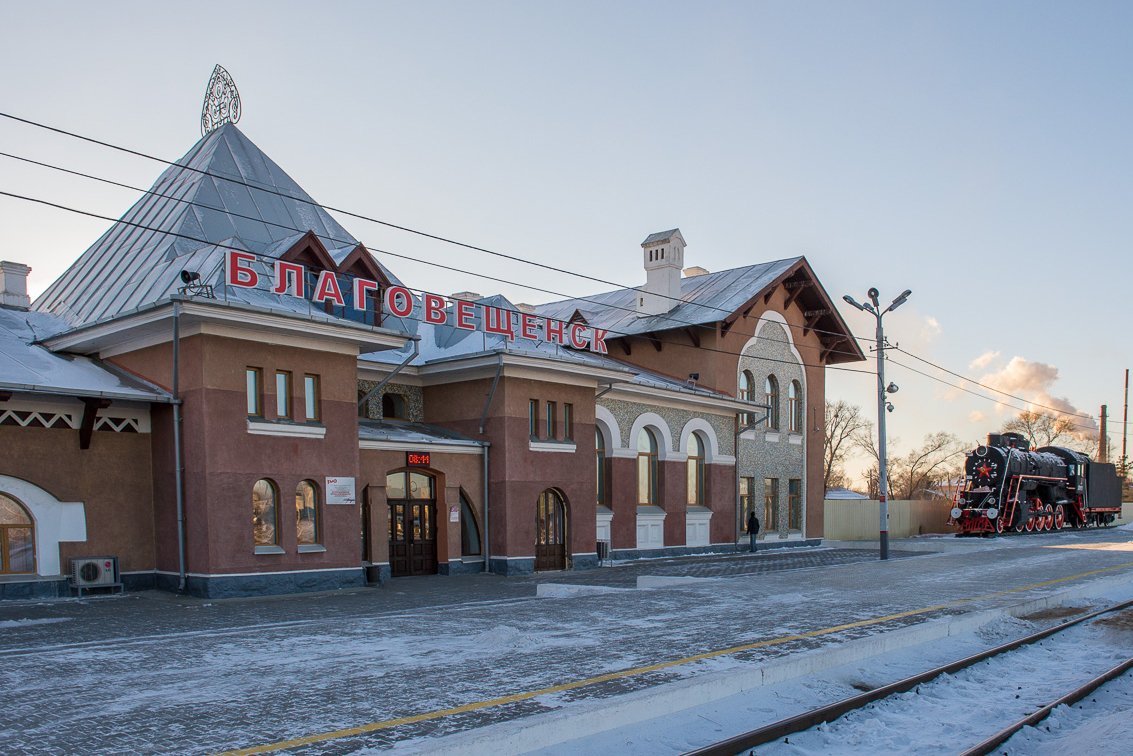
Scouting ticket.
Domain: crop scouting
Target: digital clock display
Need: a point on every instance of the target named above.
(417, 459)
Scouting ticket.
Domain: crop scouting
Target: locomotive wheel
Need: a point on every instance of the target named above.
(1059, 517)
(1048, 518)
(1030, 526)
(999, 526)
(1020, 526)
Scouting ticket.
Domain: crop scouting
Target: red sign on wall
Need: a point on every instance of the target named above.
(417, 459)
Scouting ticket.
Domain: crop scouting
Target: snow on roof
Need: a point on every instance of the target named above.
(411, 433)
(660, 236)
(225, 192)
(704, 299)
(27, 367)
(843, 494)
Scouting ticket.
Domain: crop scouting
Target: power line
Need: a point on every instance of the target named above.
(371, 219)
(209, 243)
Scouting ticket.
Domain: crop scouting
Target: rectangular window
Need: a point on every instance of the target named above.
(311, 397)
(283, 394)
(771, 504)
(795, 504)
(254, 383)
(533, 418)
(568, 422)
(747, 486)
(551, 429)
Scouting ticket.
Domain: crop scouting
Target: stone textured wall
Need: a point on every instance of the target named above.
(627, 412)
(766, 456)
(414, 400)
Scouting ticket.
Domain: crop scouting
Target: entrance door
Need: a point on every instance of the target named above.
(550, 532)
(412, 525)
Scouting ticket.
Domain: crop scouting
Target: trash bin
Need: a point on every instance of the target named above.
(603, 551)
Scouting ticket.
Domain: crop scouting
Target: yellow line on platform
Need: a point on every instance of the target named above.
(635, 671)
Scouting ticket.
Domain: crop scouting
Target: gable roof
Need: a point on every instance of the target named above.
(225, 193)
(711, 298)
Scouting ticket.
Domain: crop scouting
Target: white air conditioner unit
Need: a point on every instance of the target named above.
(93, 572)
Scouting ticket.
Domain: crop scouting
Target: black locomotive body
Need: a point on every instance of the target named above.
(1009, 487)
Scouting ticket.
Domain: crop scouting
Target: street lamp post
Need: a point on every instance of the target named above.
(873, 307)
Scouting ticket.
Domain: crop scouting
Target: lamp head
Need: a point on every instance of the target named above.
(189, 276)
(889, 406)
(899, 300)
(852, 302)
(873, 295)
(891, 388)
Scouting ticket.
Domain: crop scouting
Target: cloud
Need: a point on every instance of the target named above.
(975, 416)
(1033, 382)
(983, 360)
(930, 329)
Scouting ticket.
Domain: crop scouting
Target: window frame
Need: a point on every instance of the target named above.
(5, 545)
(283, 399)
(745, 389)
(695, 471)
(771, 394)
(312, 397)
(794, 407)
(533, 418)
(649, 459)
(274, 490)
(254, 391)
(771, 504)
(568, 421)
(794, 504)
(316, 515)
(601, 472)
(552, 425)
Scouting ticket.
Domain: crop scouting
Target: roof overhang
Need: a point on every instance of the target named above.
(485, 365)
(154, 325)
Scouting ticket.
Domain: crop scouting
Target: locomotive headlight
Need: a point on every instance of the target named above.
(992, 513)
(956, 512)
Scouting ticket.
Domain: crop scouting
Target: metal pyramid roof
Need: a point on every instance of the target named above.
(224, 193)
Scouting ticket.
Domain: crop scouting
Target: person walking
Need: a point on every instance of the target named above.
(752, 528)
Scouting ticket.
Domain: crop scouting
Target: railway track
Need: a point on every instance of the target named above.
(784, 728)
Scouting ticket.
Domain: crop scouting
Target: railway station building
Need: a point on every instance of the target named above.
(228, 394)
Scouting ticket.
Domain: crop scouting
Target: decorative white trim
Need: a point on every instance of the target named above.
(771, 436)
(311, 548)
(652, 420)
(725, 459)
(262, 574)
(712, 448)
(270, 550)
(565, 447)
(795, 438)
(697, 526)
(287, 430)
(55, 522)
(607, 425)
(623, 453)
(648, 523)
(120, 417)
(603, 518)
(437, 446)
(658, 396)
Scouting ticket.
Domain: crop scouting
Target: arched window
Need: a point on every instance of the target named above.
(307, 513)
(646, 467)
(469, 530)
(795, 407)
(393, 407)
(600, 464)
(747, 387)
(771, 395)
(265, 513)
(17, 537)
(695, 450)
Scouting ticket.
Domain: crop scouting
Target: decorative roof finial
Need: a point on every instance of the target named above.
(222, 101)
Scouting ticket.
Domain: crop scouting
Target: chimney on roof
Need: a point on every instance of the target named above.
(664, 256)
(14, 285)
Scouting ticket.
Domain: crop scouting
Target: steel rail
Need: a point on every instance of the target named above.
(1039, 715)
(831, 712)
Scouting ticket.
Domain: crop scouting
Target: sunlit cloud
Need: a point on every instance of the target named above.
(983, 360)
(930, 329)
(1033, 382)
(975, 416)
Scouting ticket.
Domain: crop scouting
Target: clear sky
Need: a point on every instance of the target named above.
(977, 153)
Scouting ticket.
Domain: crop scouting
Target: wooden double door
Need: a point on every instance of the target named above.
(550, 531)
(412, 538)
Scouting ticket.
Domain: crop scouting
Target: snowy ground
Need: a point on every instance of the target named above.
(481, 664)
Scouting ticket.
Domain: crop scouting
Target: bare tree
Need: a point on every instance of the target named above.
(919, 473)
(843, 422)
(1041, 428)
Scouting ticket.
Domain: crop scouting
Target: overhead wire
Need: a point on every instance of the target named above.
(361, 216)
(447, 240)
(188, 237)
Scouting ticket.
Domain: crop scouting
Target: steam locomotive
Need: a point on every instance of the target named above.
(1008, 487)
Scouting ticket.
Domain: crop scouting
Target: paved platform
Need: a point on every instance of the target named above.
(422, 658)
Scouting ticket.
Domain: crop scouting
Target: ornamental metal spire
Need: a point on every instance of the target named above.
(222, 101)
